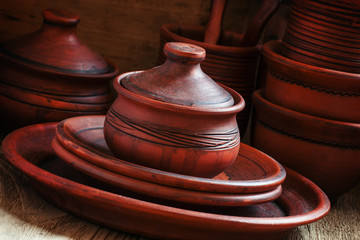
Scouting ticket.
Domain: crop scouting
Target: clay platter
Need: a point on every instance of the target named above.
(158, 191)
(29, 150)
(83, 137)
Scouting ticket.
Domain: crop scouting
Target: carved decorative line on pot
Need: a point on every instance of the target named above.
(285, 79)
(210, 141)
(338, 145)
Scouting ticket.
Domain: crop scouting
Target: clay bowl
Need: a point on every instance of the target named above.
(84, 137)
(325, 151)
(324, 34)
(312, 90)
(225, 62)
(162, 192)
(54, 73)
(190, 140)
(29, 150)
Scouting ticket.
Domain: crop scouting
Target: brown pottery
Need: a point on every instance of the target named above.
(49, 75)
(257, 172)
(196, 135)
(309, 89)
(326, 151)
(29, 150)
(324, 33)
(227, 62)
(162, 192)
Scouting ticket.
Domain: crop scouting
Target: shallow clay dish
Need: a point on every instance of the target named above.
(325, 151)
(160, 191)
(84, 137)
(29, 150)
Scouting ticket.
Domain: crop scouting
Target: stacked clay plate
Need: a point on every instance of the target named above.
(50, 75)
(308, 114)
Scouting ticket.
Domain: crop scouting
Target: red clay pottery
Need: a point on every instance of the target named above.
(312, 90)
(49, 75)
(226, 62)
(325, 34)
(196, 135)
(158, 191)
(325, 151)
(83, 136)
(29, 150)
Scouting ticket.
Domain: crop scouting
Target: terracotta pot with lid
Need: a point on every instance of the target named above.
(174, 117)
(49, 75)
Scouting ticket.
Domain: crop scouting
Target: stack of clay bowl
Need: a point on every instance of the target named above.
(325, 34)
(168, 123)
(232, 58)
(308, 114)
(50, 75)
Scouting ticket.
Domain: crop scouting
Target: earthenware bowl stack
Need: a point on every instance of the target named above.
(325, 34)
(50, 75)
(308, 114)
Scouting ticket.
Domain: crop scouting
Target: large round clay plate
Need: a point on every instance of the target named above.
(29, 150)
(83, 136)
(161, 191)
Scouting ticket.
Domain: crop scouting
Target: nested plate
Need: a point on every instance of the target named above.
(163, 192)
(83, 136)
(29, 150)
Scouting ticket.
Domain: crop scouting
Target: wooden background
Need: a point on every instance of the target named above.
(127, 32)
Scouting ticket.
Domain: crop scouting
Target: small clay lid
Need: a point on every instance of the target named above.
(179, 80)
(56, 46)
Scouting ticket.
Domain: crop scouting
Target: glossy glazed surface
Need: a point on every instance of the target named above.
(302, 202)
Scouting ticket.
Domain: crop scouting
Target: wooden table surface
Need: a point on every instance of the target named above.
(25, 215)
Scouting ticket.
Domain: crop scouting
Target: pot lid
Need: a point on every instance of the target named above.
(179, 80)
(56, 46)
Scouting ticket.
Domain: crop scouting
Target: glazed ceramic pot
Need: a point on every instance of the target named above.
(324, 33)
(326, 151)
(312, 90)
(161, 129)
(49, 75)
(226, 62)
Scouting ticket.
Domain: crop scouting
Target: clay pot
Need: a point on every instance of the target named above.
(194, 137)
(226, 62)
(312, 90)
(50, 74)
(326, 151)
(324, 34)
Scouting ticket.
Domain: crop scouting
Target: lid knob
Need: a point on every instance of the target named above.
(184, 52)
(60, 17)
